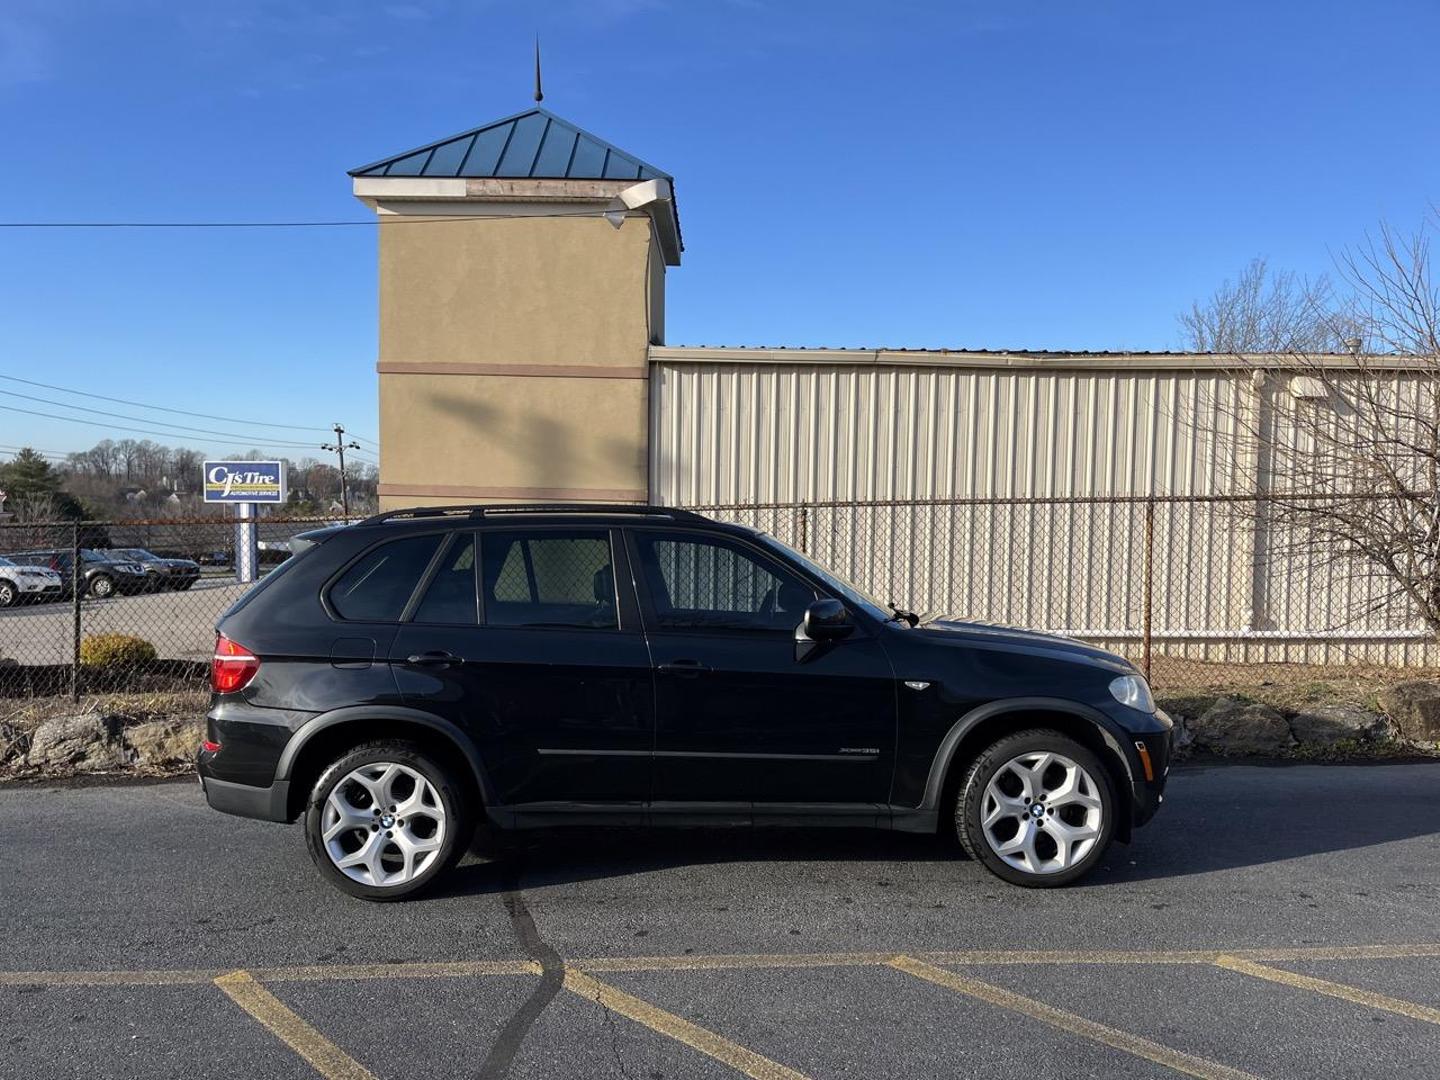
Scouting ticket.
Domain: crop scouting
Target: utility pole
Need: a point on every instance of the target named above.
(339, 446)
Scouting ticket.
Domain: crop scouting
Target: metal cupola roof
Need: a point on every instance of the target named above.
(535, 143)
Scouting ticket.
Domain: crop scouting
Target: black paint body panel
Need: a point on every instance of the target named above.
(570, 724)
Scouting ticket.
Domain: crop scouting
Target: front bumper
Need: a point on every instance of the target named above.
(37, 587)
(1149, 791)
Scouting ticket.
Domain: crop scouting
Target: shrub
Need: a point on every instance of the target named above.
(116, 652)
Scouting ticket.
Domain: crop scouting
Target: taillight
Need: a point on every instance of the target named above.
(233, 666)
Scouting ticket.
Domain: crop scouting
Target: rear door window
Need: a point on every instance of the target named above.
(378, 585)
(450, 598)
(548, 577)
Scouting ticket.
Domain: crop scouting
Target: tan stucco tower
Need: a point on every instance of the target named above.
(522, 280)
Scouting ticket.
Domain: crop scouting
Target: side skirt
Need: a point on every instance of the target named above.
(712, 815)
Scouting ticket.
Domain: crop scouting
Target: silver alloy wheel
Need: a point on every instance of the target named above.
(7, 594)
(1042, 812)
(383, 825)
(102, 587)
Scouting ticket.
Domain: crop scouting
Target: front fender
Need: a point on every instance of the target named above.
(1108, 730)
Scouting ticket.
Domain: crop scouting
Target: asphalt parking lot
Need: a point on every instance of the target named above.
(1273, 922)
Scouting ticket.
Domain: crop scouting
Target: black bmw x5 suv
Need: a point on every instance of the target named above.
(402, 679)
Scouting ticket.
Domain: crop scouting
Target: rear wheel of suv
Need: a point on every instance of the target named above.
(385, 821)
(1037, 808)
(101, 586)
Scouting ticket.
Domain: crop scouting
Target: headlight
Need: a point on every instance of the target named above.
(1134, 691)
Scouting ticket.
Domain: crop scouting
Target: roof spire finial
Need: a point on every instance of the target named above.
(539, 93)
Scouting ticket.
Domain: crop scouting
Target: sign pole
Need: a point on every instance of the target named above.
(247, 550)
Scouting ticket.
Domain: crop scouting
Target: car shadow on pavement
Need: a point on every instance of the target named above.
(1216, 818)
(1226, 817)
(566, 855)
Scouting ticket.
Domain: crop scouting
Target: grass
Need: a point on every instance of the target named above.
(1287, 687)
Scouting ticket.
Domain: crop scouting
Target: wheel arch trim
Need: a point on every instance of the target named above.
(950, 744)
(399, 713)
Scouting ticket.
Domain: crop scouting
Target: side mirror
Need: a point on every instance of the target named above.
(827, 620)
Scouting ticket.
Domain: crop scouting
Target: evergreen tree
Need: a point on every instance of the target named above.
(34, 488)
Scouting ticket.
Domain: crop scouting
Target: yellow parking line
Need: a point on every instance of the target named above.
(1353, 994)
(1002, 957)
(966, 957)
(1337, 952)
(440, 970)
(692, 1035)
(323, 1056)
(107, 978)
(1181, 1062)
(722, 962)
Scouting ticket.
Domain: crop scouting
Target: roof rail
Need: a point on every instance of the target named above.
(484, 510)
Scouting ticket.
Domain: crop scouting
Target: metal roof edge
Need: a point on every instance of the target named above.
(1054, 360)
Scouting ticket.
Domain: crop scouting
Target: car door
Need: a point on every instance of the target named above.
(521, 638)
(742, 714)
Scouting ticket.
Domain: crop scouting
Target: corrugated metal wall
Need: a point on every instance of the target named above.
(724, 433)
(746, 433)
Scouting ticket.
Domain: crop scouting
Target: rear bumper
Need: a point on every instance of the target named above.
(244, 800)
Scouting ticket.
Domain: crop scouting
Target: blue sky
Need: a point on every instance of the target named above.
(981, 175)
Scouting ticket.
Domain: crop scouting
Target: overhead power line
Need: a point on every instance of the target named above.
(179, 428)
(163, 408)
(384, 219)
(244, 440)
(47, 453)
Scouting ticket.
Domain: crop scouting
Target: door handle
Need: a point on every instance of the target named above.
(433, 659)
(684, 668)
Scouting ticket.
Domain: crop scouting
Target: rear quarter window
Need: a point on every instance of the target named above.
(379, 584)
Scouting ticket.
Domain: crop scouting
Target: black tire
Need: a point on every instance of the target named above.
(8, 594)
(101, 586)
(453, 797)
(185, 585)
(970, 807)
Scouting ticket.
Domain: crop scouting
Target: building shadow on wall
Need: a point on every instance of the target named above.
(547, 446)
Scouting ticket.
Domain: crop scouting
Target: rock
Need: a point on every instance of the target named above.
(9, 741)
(1414, 706)
(163, 742)
(1326, 725)
(1233, 727)
(84, 743)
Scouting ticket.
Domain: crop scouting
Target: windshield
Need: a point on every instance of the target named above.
(137, 554)
(850, 592)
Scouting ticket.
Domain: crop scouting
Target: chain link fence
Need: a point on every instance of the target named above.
(1198, 591)
(1203, 592)
(95, 608)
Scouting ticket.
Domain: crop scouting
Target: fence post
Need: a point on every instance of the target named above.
(803, 529)
(76, 580)
(1149, 585)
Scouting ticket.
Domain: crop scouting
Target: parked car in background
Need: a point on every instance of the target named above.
(161, 573)
(19, 583)
(101, 576)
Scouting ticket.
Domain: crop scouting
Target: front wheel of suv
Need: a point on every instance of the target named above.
(385, 821)
(1037, 808)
